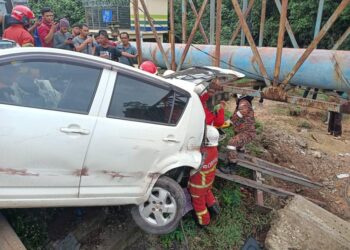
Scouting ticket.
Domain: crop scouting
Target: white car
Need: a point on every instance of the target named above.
(78, 130)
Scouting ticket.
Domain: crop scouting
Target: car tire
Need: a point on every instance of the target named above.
(162, 212)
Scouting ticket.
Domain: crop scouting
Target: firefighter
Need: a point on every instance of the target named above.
(216, 119)
(243, 123)
(200, 182)
(149, 67)
(21, 16)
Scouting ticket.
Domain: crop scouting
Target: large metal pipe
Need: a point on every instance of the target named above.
(324, 69)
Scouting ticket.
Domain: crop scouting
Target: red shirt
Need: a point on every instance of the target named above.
(18, 34)
(43, 31)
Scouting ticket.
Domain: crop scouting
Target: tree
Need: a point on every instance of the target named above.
(73, 10)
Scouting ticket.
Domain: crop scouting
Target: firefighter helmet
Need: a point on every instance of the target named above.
(22, 14)
(212, 137)
(149, 67)
(199, 89)
(168, 72)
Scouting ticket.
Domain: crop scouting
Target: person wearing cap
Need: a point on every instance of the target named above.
(62, 39)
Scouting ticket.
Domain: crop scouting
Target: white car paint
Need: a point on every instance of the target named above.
(112, 162)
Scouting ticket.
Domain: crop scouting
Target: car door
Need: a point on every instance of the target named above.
(45, 126)
(139, 128)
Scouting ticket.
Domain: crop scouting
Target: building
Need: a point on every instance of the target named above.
(118, 16)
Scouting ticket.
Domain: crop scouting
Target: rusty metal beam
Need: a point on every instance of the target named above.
(193, 32)
(160, 46)
(280, 41)
(201, 29)
(251, 42)
(184, 20)
(218, 32)
(238, 25)
(312, 46)
(279, 95)
(341, 39)
(250, 183)
(172, 34)
(262, 22)
(137, 31)
(281, 173)
(288, 27)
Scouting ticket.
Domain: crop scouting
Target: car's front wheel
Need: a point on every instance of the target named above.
(161, 213)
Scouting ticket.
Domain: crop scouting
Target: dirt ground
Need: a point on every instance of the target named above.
(300, 142)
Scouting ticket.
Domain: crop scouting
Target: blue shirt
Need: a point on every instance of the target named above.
(131, 50)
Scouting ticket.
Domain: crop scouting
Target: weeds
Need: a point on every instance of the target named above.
(235, 223)
(305, 124)
(31, 225)
(294, 111)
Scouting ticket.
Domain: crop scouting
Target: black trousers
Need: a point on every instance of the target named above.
(334, 125)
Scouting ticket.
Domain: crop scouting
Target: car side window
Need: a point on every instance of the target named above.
(138, 100)
(48, 85)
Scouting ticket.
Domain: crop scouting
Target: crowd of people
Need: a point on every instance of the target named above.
(46, 32)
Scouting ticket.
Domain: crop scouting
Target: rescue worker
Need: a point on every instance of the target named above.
(149, 67)
(216, 119)
(18, 31)
(200, 182)
(243, 123)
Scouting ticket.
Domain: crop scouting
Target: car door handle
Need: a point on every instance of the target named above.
(75, 131)
(171, 140)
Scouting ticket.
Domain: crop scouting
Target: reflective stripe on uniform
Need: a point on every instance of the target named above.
(195, 196)
(200, 214)
(208, 171)
(201, 186)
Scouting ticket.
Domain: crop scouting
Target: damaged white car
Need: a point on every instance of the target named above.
(78, 130)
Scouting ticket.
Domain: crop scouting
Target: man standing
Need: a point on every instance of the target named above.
(62, 38)
(125, 46)
(48, 28)
(17, 32)
(104, 49)
(243, 122)
(75, 30)
(84, 43)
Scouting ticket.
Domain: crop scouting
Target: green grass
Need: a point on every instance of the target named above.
(228, 231)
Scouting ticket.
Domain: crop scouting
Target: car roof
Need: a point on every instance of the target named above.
(40, 52)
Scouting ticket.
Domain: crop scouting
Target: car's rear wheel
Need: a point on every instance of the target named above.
(161, 213)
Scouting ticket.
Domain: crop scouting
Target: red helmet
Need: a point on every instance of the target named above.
(149, 67)
(22, 13)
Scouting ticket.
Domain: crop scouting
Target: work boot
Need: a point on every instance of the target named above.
(214, 210)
